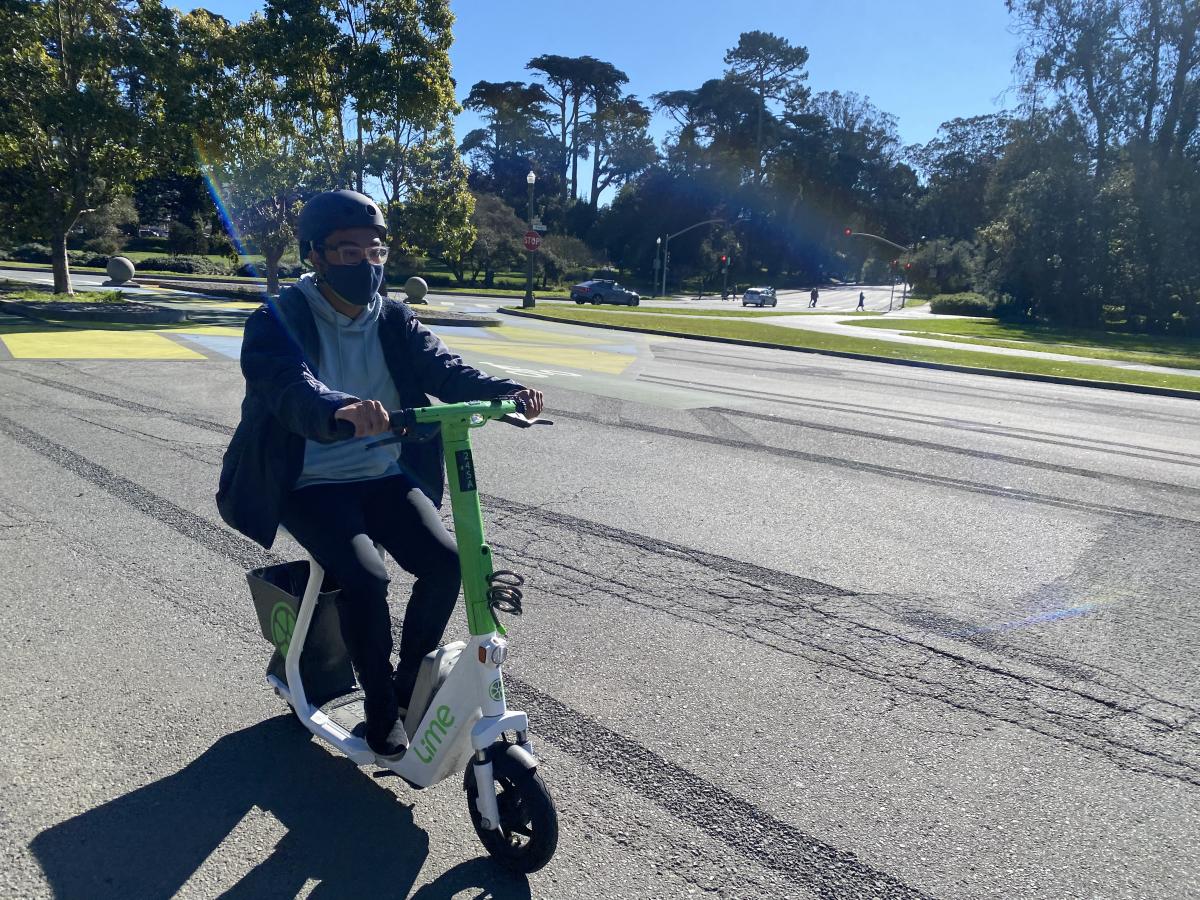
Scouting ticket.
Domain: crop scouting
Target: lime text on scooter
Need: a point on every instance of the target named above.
(431, 741)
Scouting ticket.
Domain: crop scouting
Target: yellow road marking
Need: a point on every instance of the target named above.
(570, 357)
(533, 335)
(95, 345)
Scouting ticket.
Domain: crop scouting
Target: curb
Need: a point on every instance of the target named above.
(866, 357)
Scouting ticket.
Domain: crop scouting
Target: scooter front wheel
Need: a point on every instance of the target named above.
(528, 832)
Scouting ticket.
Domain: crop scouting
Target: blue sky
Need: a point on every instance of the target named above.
(925, 61)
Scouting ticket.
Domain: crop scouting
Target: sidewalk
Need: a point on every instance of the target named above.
(833, 324)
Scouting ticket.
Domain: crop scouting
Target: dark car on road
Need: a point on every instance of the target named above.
(601, 291)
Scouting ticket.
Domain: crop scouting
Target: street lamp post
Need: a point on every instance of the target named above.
(909, 250)
(667, 248)
(658, 262)
(527, 303)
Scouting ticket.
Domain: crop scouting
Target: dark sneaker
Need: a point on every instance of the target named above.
(393, 745)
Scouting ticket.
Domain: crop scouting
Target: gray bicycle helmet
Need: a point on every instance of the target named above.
(333, 210)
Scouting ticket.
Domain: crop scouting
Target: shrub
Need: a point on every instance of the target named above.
(87, 258)
(183, 238)
(965, 304)
(30, 253)
(259, 270)
(190, 265)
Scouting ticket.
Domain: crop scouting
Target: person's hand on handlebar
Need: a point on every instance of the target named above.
(369, 417)
(533, 401)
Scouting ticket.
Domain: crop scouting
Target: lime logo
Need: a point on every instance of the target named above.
(431, 741)
(283, 621)
(496, 690)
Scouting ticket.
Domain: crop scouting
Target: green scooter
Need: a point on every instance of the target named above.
(458, 718)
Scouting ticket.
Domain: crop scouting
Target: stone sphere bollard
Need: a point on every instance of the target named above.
(120, 269)
(416, 289)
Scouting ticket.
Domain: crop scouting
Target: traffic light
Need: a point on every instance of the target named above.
(895, 262)
(724, 259)
(908, 265)
(847, 231)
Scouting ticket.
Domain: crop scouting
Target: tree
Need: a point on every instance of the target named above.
(622, 144)
(774, 70)
(437, 218)
(603, 85)
(353, 69)
(258, 163)
(80, 89)
(497, 243)
(1125, 75)
(568, 80)
(957, 165)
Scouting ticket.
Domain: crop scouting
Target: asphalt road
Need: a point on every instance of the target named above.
(796, 627)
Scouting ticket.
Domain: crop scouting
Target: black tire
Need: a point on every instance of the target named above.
(580, 302)
(597, 300)
(635, 303)
(528, 833)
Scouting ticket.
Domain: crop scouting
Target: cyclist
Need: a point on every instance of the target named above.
(330, 349)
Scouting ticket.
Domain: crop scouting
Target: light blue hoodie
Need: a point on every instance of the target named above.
(352, 361)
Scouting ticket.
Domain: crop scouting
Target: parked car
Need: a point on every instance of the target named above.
(760, 296)
(600, 291)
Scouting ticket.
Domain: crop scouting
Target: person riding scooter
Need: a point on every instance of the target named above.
(331, 354)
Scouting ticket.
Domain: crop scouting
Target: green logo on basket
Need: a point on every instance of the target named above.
(283, 620)
(496, 690)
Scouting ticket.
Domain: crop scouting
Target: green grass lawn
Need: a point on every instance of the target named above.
(813, 340)
(1180, 353)
(12, 290)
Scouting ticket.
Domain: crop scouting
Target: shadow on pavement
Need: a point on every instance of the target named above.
(352, 836)
(484, 878)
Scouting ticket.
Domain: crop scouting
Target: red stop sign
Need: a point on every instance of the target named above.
(533, 240)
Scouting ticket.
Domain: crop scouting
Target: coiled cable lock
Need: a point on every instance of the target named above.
(504, 595)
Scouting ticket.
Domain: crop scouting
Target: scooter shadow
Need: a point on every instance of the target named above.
(489, 881)
(354, 838)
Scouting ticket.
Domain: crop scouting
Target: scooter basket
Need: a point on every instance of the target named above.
(324, 665)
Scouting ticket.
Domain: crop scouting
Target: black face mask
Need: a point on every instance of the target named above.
(357, 285)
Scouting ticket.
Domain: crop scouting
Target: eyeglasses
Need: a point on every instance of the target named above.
(352, 254)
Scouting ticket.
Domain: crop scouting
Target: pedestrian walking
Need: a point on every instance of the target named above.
(862, 299)
(812, 298)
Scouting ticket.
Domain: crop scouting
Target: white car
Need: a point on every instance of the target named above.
(760, 296)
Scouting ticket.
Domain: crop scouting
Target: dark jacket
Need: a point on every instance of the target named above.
(287, 403)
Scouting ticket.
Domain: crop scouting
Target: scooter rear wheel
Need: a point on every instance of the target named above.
(528, 832)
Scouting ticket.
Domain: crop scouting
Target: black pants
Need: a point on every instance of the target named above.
(337, 524)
